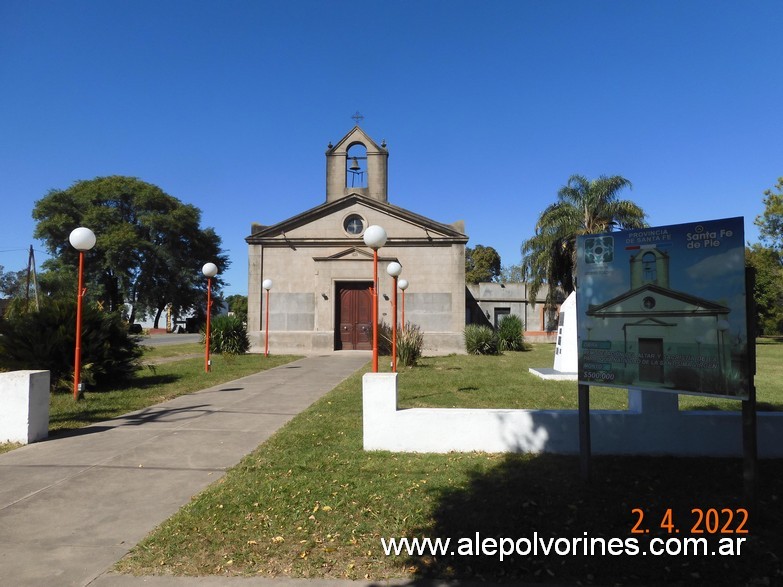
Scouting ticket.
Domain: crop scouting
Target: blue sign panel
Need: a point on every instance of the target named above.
(664, 309)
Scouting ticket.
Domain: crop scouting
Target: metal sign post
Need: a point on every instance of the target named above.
(585, 448)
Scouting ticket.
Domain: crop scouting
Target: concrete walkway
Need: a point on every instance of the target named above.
(72, 506)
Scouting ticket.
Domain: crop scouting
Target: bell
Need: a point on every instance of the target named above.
(355, 165)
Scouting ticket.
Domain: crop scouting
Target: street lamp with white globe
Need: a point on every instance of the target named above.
(403, 285)
(267, 285)
(82, 239)
(375, 238)
(394, 269)
(209, 270)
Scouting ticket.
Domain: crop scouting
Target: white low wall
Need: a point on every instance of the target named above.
(24, 406)
(652, 425)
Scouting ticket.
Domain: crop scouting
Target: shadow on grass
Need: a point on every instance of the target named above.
(152, 379)
(542, 498)
(137, 418)
(103, 405)
(410, 398)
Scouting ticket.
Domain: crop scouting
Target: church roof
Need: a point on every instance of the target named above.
(432, 230)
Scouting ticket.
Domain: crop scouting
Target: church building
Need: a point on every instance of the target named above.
(322, 272)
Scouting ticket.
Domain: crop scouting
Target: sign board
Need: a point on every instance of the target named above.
(664, 309)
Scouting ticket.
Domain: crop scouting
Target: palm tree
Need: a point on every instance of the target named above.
(584, 207)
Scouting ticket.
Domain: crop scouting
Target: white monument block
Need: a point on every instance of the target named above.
(24, 395)
(566, 366)
(567, 350)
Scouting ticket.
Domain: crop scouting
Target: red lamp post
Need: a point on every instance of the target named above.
(82, 239)
(403, 284)
(267, 285)
(209, 270)
(394, 269)
(375, 238)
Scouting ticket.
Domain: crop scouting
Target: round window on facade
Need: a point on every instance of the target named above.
(648, 303)
(353, 224)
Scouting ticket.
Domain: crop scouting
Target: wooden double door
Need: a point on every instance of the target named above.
(354, 316)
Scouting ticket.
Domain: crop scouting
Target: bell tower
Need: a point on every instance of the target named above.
(357, 165)
(649, 265)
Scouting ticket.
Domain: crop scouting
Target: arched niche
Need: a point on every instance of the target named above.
(356, 166)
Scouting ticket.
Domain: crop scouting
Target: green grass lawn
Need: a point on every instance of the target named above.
(311, 503)
(152, 353)
(152, 385)
(503, 381)
(460, 381)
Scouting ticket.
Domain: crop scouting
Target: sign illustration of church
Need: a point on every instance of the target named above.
(322, 271)
(664, 308)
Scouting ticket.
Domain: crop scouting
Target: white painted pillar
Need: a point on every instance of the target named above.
(24, 396)
(379, 406)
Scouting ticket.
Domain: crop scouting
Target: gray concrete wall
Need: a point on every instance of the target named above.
(515, 297)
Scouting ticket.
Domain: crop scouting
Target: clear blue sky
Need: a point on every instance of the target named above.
(487, 107)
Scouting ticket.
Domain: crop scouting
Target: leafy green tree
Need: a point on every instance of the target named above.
(17, 292)
(150, 246)
(770, 222)
(512, 274)
(768, 292)
(583, 207)
(481, 264)
(12, 283)
(238, 305)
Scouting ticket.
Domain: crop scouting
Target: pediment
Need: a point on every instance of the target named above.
(325, 223)
(651, 322)
(351, 254)
(652, 300)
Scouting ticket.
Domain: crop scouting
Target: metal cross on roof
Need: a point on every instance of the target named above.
(357, 117)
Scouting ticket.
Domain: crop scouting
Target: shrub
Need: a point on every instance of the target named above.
(384, 338)
(480, 340)
(46, 339)
(409, 344)
(228, 336)
(510, 337)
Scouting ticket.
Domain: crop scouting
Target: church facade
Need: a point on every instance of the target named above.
(322, 272)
